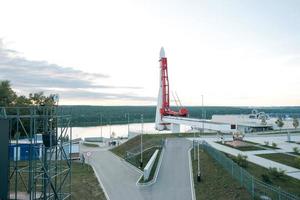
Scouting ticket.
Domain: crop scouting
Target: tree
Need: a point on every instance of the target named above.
(7, 95)
(279, 122)
(295, 122)
(22, 101)
(40, 99)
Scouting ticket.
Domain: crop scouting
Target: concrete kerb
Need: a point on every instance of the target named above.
(141, 185)
(191, 175)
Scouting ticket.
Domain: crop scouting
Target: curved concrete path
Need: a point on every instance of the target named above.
(119, 178)
(173, 181)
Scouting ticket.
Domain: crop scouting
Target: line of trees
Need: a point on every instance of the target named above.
(8, 97)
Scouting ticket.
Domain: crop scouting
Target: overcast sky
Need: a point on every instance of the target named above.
(242, 53)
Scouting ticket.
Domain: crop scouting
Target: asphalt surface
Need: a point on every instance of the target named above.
(173, 181)
(117, 177)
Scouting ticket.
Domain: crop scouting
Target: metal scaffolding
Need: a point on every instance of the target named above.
(39, 152)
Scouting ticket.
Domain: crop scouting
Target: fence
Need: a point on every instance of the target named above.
(257, 188)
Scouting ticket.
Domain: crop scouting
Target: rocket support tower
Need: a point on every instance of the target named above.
(163, 101)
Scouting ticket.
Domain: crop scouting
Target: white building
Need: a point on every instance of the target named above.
(256, 121)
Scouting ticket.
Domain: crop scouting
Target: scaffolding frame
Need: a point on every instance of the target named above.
(45, 173)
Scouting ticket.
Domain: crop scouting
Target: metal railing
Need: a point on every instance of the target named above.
(257, 188)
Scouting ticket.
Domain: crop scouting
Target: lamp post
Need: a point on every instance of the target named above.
(127, 115)
(199, 173)
(194, 146)
(202, 115)
(110, 128)
(101, 127)
(142, 130)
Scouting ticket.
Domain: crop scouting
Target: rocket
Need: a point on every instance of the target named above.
(163, 100)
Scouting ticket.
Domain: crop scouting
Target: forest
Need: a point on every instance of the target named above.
(83, 115)
(91, 115)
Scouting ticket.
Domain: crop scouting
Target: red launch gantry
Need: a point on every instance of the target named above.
(165, 109)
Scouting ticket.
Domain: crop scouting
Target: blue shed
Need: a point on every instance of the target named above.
(22, 151)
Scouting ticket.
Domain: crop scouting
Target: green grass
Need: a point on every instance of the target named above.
(297, 154)
(293, 142)
(148, 141)
(244, 148)
(216, 183)
(85, 184)
(286, 183)
(281, 158)
(133, 145)
(135, 160)
(90, 144)
(263, 145)
(151, 176)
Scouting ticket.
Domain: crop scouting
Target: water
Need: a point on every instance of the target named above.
(118, 130)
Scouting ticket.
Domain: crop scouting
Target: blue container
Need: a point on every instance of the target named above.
(22, 151)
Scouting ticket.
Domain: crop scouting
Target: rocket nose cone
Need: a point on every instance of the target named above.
(162, 53)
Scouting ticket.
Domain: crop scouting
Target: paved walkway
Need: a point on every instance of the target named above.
(173, 182)
(119, 178)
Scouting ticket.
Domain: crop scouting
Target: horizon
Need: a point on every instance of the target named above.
(235, 54)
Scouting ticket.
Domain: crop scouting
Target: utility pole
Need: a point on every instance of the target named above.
(110, 128)
(142, 130)
(194, 146)
(127, 115)
(199, 173)
(202, 115)
(101, 127)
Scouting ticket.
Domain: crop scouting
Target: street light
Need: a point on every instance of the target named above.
(202, 115)
(127, 115)
(142, 130)
(101, 127)
(199, 173)
(110, 128)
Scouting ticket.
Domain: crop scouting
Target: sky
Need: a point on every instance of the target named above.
(235, 53)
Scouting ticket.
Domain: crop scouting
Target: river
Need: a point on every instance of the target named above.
(117, 130)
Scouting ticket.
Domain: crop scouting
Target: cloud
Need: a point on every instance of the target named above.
(87, 95)
(32, 76)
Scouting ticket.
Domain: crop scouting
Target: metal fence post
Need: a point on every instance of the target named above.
(252, 183)
(279, 193)
(241, 172)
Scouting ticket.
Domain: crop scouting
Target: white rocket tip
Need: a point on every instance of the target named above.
(162, 53)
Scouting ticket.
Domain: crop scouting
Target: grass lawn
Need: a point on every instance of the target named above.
(286, 183)
(293, 142)
(135, 160)
(85, 185)
(149, 140)
(216, 183)
(263, 145)
(244, 148)
(282, 158)
(133, 145)
(90, 144)
(297, 154)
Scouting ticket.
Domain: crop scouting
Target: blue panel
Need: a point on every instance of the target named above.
(25, 151)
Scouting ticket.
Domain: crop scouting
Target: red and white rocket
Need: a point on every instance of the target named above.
(163, 101)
